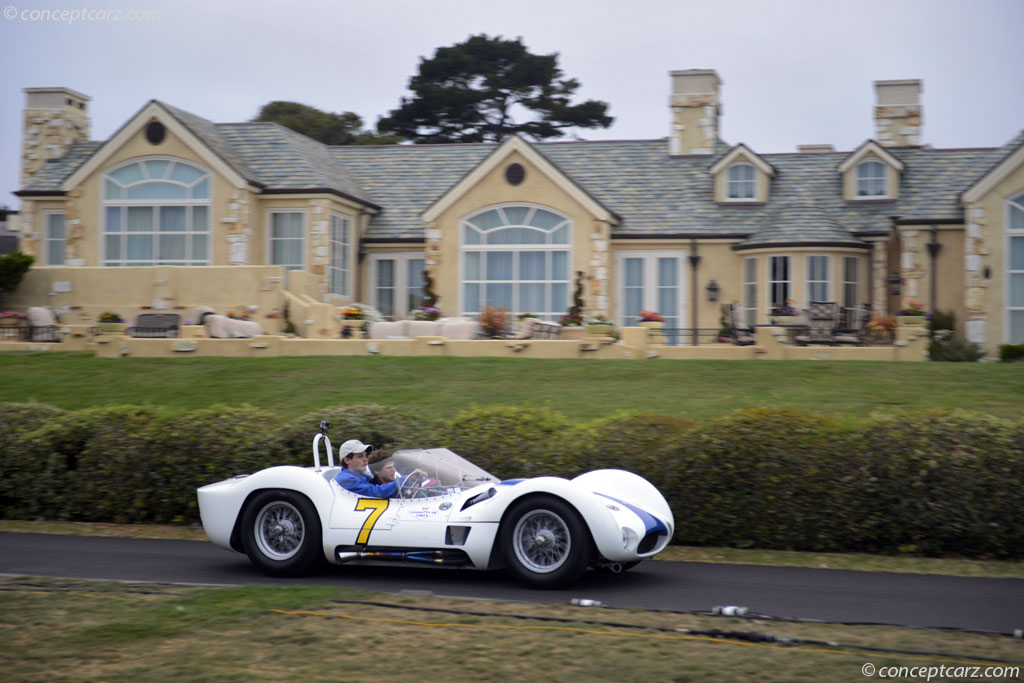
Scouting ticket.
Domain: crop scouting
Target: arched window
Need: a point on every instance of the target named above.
(1015, 272)
(156, 212)
(516, 257)
(741, 183)
(871, 179)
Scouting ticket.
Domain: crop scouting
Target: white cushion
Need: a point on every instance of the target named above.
(38, 316)
(387, 329)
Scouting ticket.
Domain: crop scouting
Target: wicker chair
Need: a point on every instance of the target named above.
(742, 334)
(822, 321)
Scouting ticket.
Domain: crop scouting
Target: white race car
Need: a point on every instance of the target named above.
(546, 530)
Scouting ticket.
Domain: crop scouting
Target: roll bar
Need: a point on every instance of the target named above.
(322, 434)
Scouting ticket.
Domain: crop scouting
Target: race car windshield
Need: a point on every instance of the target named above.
(446, 469)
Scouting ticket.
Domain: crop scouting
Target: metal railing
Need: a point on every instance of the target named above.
(685, 336)
(31, 333)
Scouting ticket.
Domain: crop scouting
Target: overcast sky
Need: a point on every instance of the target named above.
(793, 71)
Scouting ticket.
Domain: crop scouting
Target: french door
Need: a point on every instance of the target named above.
(653, 281)
(396, 283)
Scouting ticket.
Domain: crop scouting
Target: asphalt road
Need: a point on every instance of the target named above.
(830, 594)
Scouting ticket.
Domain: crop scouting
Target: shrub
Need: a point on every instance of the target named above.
(19, 471)
(946, 347)
(511, 441)
(1009, 353)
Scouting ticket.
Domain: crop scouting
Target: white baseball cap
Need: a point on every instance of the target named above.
(354, 446)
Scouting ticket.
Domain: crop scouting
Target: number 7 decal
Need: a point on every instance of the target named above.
(377, 507)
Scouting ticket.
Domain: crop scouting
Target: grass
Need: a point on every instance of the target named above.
(997, 569)
(59, 629)
(578, 388)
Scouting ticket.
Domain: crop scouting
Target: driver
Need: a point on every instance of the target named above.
(382, 466)
(353, 476)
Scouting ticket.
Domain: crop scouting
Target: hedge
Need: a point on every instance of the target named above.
(936, 483)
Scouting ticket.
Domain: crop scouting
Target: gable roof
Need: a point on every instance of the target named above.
(870, 147)
(1012, 159)
(741, 150)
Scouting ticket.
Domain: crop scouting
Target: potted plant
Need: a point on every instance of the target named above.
(913, 315)
(784, 314)
(112, 323)
(652, 320)
(881, 327)
(494, 322)
(426, 313)
(599, 325)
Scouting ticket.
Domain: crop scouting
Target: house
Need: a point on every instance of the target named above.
(677, 225)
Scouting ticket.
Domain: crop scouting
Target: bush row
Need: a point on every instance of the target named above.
(937, 483)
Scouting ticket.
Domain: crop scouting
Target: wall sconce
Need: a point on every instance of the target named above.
(894, 281)
(712, 290)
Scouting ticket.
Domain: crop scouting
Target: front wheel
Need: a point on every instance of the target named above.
(545, 543)
(281, 533)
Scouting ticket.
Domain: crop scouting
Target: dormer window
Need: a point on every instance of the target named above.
(740, 182)
(871, 179)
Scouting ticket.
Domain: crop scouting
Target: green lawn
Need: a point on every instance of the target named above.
(580, 389)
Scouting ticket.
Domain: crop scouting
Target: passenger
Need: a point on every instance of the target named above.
(382, 467)
(353, 476)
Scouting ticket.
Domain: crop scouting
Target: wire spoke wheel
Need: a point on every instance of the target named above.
(541, 541)
(279, 530)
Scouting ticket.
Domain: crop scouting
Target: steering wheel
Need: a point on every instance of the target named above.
(415, 482)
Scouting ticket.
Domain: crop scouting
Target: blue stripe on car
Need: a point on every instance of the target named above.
(510, 482)
(651, 523)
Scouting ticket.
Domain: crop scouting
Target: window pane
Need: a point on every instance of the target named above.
(516, 215)
(157, 169)
(1017, 327)
(499, 295)
(531, 298)
(385, 273)
(386, 302)
(140, 247)
(156, 190)
(487, 220)
(128, 174)
(559, 298)
(634, 273)
(1017, 253)
(199, 251)
(472, 298)
(634, 301)
(185, 174)
(55, 226)
(112, 191)
(667, 272)
(285, 225)
(531, 265)
(472, 265)
(140, 219)
(667, 301)
(499, 266)
(1017, 289)
(470, 235)
(516, 236)
(750, 270)
(172, 219)
(199, 219)
(112, 246)
(1017, 216)
(172, 247)
(560, 236)
(559, 265)
(545, 219)
(201, 190)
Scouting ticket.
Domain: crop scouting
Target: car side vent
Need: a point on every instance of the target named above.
(649, 542)
(456, 535)
(484, 495)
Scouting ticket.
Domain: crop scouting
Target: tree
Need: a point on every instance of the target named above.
(467, 93)
(345, 128)
(13, 267)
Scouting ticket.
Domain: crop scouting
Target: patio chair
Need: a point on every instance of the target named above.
(856, 326)
(742, 333)
(42, 325)
(156, 325)
(539, 329)
(822, 320)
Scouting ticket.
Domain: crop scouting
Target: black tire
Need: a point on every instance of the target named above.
(281, 533)
(545, 542)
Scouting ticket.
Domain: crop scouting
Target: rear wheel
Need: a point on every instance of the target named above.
(545, 543)
(281, 533)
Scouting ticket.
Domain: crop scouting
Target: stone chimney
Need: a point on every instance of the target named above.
(815, 149)
(54, 118)
(898, 115)
(695, 108)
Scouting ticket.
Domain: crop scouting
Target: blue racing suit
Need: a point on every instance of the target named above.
(358, 482)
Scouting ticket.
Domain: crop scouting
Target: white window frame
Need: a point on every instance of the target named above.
(749, 305)
(54, 246)
(269, 223)
(649, 295)
(769, 278)
(855, 283)
(1012, 204)
(811, 283)
(549, 248)
(339, 273)
(401, 259)
(752, 183)
(884, 178)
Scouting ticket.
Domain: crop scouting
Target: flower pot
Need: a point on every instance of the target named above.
(599, 328)
(574, 332)
(10, 322)
(113, 328)
(652, 324)
(911, 320)
(783, 319)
